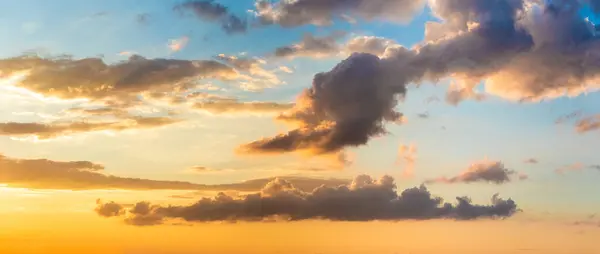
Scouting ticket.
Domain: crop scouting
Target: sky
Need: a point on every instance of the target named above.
(307, 126)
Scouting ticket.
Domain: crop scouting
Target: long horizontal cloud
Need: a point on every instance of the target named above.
(487, 171)
(211, 11)
(52, 130)
(328, 46)
(74, 175)
(235, 106)
(92, 78)
(318, 12)
(86, 175)
(523, 51)
(363, 200)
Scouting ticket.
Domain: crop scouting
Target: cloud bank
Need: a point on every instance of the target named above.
(522, 51)
(364, 199)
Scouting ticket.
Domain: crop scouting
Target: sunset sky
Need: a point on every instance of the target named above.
(306, 126)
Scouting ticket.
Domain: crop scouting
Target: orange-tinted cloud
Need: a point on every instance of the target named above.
(57, 129)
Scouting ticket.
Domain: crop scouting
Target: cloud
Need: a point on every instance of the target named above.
(486, 171)
(176, 45)
(143, 18)
(576, 167)
(596, 167)
(565, 118)
(233, 106)
(523, 52)
(588, 124)
(69, 78)
(363, 200)
(109, 209)
(257, 77)
(531, 161)
(312, 46)
(345, 107)
(328, 46)
(73, 175)
(322, 13)
(208, 10)
(56, 129)
(408, 155)
(86, 175)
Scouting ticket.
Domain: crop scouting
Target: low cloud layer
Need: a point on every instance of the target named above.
(364, 199)
(211, 11)
(522, 51)
(487, 171)
(57, 129)
(318, 12)
(86, 175)
(73, 175)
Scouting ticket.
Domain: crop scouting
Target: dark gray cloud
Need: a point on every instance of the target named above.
(92, 78)
(319, 12)
(212, 11)
(86, 175)
(364, 199)
(57, 129)
(588, 124)
(523, 53)
(329, 119)
(488, 171)
(596, 167)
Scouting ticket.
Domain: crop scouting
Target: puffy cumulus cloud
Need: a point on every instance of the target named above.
(317, 12)
(486, 171)
(523, 52)
(364, 199)
(588, 124)
(57, 129)
(233, 106)
(74, 175)
(328, 46)
(345, 107)
(211, 11)
(109, 209)
(69, 78)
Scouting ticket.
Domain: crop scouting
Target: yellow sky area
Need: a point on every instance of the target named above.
(76, 233)
(63, 222)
